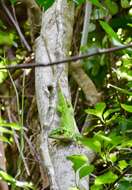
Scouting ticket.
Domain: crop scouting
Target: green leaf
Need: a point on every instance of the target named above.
(6, 177)
(97, 3)
(112, 6)
(100, 136)
(111, 33)
(127, 108)
(91, 143)
(116, 139)
(127, 143)
(13, 125)
(78, 161)
(4, 139)
(110, 111)
(3, 130)
(106, 178)
(113, 157)
(112, 119)
(45, 3)
(122, 164)
(86, 170)
(124, 185)
(13, 1)
(98, 110)
(3, 74)
(6, 38)
(96, 187)
(125, 3)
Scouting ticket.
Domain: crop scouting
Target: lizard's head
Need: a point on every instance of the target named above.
(60, 134)
(57, 132)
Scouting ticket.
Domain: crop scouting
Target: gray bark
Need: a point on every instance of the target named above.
(54, 44)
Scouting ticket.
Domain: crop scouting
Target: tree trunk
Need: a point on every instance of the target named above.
(54, 44)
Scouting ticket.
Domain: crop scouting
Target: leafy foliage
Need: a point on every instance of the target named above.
(15, 183)
(13, 1)
(106, 178)
(45, 3)
(110, 133)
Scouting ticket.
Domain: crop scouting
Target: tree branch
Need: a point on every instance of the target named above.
(67, 60)
(82, 79)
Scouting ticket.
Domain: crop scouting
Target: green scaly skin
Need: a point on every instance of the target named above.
(67, 130)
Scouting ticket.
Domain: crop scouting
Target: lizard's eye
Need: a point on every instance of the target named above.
(62, 131)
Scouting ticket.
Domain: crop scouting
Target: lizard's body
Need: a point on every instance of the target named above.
(66, 132)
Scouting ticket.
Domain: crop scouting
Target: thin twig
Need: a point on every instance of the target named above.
(18, 146)
(32, 149)
(67, 60)
(88, 10)
(16, 26)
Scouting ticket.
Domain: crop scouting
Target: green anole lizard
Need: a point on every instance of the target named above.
(66, 132)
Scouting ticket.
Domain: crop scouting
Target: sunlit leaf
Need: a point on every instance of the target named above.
(96, 187)
(112, 119)
(78, 161)
(100, 136)
(106, 178)
(115, 139)
(91, 143)
(124, 74)
(97, 3)
(127, 143)
(86, 170)
(4, 130)
(13, 125)
(4, 139)
(122, 164)
(127, 108)
(113, 157)
(98, 110)
(112, 6)
(45, 3)
(111, 33)
(3, 75)
(110, 111)
(125, 3)
(6, 177)
(6, 38)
